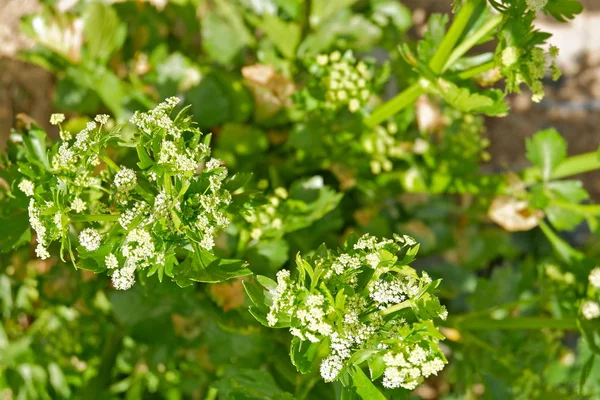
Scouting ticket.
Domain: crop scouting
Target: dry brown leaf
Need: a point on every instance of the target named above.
(229, 295)
(272, 91)
(514, 215)
(429, 117)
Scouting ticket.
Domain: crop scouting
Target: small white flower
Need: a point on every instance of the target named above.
(594, 277)
(90, 239)
(124, 278)
(56, 119)
(78, 205)
(330, 368)
(111, 261)
(125, 179)
(590, 310)
(101, 119)
(139, 246)
(27, 187)
(41, 251)
(213, 163)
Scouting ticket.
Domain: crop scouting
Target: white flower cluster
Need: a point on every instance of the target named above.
(56, 119)
(158, 118)
(125, 179)
(78, 205)
(138, 251)
(594, 278)
(590, 309)
(407, 366)
(40, 230)
(27, 187)
(90, 239)
(311, 315)
(347, 82)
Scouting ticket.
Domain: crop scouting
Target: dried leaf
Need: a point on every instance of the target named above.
(229, 295)
(272, 91)
(514, 215)
(429, 117)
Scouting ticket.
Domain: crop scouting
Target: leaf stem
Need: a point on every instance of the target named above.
(472, 40)
(516, 323)
(94, 217)
(573, 165)
(471, 72)
(392, 106)
(440, 58)
(436, 64)
(397, 307)
(586, 209)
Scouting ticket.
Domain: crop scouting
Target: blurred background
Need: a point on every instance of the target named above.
(572, 104)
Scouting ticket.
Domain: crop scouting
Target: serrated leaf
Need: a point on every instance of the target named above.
(489, 102)
(563, 10)
(546, 149)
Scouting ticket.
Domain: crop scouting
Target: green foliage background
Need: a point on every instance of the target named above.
(514, 329)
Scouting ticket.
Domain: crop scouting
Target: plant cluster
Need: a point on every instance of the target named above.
(309, 160)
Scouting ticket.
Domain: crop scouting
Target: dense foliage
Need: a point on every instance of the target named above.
(324, 240)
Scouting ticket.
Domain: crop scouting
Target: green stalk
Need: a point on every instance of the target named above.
(573, 165)
(397, 307)
(518, 323)
(479, 69)
(391, 107)
(586, 209)
(94, 217)
(472, 40)
(563, 249)
(436, 64)
(110, 163)
(439, 59)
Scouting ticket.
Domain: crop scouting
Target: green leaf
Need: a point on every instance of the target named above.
(285, 35)
(376, 367)
(322, 10)
(398, 13)
(14, 229)
(585, 371)
(104, 32)
(489, 102)
(546, 149)
(267, 257)
(224, 33)
(58, 380)
(35, 147)
(563, 10)
(302, 354)
(219, 98)
(204, 267)
(364, 387)
(248, 384)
